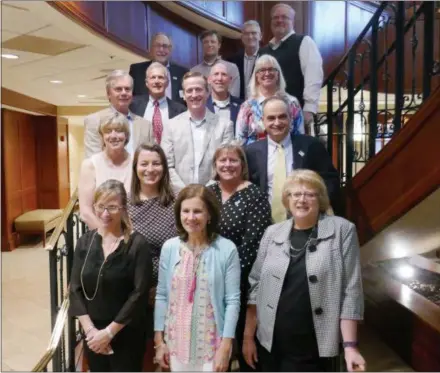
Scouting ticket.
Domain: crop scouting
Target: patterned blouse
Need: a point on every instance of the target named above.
(244, 219)
(249, 124)
(156, 223)
(190, 331)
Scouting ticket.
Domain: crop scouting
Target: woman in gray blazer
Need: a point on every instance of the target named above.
(305, 294)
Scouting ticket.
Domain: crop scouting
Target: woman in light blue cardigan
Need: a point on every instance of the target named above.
(198, 294)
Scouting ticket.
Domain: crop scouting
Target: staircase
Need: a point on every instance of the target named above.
(382, 107)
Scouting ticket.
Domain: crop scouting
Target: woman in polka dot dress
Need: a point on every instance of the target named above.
(245, 215)
(151, 210)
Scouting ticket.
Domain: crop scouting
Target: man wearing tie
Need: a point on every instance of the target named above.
(272, 159)
(190, 139)
(119, 86)
(245, 60)
(160, 51)
(156, 107)
(220, 101)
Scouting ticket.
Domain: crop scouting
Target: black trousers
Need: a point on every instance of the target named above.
(128, 346)
(280, 360)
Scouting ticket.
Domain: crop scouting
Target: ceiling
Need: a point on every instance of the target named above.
(52, 47)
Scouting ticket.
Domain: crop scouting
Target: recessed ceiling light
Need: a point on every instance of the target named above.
(81, 96)
(9, 56)
(56, 81)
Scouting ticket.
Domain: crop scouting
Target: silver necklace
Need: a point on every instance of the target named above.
(295, 253)
(100, 269)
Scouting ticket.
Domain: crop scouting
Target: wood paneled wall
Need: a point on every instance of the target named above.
(35, 168)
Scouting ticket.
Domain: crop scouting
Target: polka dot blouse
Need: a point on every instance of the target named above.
(244, 218)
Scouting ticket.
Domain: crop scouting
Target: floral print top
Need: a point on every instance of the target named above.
(250, 127)
(190, 329)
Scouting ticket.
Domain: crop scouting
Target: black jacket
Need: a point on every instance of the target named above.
(137, 72)
(139, 104)
(308, 153)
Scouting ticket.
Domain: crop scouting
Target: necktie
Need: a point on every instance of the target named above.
(157, 122)
(279, 177)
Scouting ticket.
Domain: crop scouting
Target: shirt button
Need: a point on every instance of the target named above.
(313, 279)
(318, 311)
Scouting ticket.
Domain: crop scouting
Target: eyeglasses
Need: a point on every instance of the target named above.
(163, 46)
(110, 209)
(307, 195)
(270, 70)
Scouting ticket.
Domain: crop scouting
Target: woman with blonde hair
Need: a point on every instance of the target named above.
(110, 283)
(113, 162)
(266, 81)
(306, 294)
(245, 215)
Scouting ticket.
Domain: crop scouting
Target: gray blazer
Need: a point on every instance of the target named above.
(142, 131)
(337, 293)
(177, 143)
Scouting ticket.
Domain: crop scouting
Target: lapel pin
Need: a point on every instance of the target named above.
(175, 77)
(301, 153)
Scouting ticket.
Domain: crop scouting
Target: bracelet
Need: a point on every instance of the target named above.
(350, 344)
(109, 333)
(159, 345)
(89, 330)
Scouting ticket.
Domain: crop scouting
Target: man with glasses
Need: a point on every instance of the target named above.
(300, 61)
(160, 51)
(245, 59)
(272, 159)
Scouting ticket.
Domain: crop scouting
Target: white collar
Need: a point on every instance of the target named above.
(162, 100)
(284, 143)
(273, 42)
(251, 56)
(221, 104)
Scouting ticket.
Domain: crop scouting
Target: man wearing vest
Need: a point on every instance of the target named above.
(299, 59)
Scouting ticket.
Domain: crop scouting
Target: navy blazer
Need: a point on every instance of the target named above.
(238, 59)
(308, 153)
(139, 104)
(235, 104)
(138, 70)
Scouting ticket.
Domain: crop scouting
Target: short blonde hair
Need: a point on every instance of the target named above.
(195, 74)
(266, 59)
(236, 147)
(309, 178)
(117, 122)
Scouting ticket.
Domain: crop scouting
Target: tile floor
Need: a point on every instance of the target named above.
(26, 315)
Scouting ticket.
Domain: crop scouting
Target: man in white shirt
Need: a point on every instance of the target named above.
(119, 87)
(156, 107)
(190, 139)
(211, 43)
(299, 59)
(245, 60)
(220, 101)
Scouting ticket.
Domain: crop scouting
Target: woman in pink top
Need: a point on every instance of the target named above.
(114, 162)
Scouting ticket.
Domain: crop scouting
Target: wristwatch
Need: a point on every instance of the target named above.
(350, 344)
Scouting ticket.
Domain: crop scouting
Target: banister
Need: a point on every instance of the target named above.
(60, 227)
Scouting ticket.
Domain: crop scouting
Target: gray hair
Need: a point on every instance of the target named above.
(220, 62)
(251, 23)
(282, 5)
(278, 97)
(161, 34)
(157, 65)
(115, 75)
(266, 59)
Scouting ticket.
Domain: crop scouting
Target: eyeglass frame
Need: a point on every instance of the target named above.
(264, 70)
(308, 196)
(100, 209)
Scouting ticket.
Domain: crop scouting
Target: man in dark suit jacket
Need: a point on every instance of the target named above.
(161, 48)
(245, 59)
(155, 106)
(301, 151)
(220, 101)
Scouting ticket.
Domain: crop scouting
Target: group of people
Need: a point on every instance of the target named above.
(212, 222)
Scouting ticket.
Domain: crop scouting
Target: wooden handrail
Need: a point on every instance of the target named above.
(60, 227)
(55, 338)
